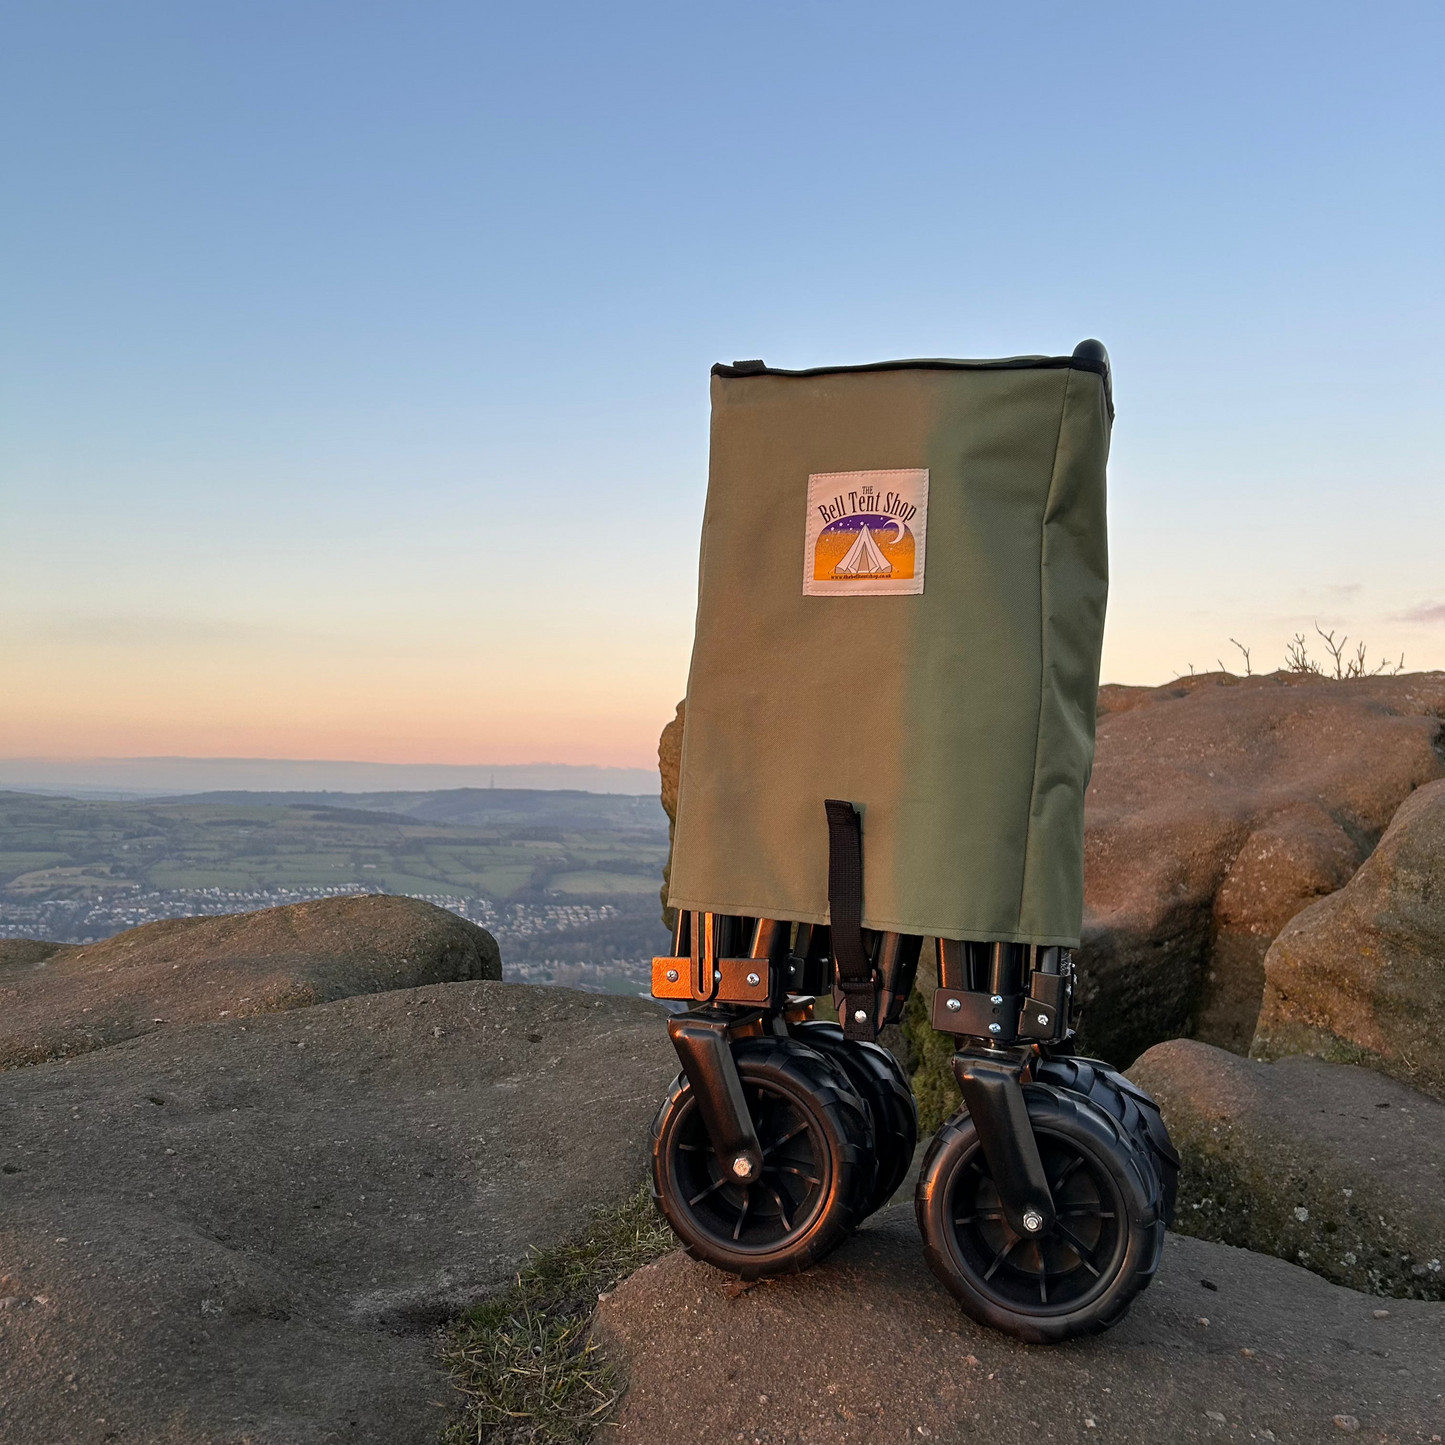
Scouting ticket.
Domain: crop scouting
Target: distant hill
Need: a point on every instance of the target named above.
(154, 777)
(474, 807)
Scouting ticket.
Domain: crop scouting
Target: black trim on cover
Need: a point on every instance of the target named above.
(1088, 356)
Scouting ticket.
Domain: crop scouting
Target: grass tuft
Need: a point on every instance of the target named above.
(525, 1361)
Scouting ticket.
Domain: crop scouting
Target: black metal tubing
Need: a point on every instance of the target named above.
(995, 1102)
(707, 1060)
(898, 955)
(770, 941)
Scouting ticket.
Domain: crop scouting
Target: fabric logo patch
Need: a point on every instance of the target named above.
(865, 534)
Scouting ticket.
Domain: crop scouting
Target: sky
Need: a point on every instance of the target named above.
(354, 357)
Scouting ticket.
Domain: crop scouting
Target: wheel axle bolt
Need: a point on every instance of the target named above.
(861, 1016)
(1033, 1221)
(753, 980)
(742, 1166)
(672, 975)
(954, 1005)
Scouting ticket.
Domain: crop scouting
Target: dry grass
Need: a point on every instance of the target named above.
(525, 1361)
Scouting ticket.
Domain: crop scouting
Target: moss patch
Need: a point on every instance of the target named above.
(525, 1360)
(934, 1086)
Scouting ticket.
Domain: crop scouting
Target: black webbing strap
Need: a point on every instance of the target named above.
(845, 909)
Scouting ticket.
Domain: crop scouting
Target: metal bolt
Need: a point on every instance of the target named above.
(717, 975)
(742, 1166)
(995, 1028)
(1044, 1019)
(954, 1005)
(861, 1016)
(1033, 1221)
(997, 998)
(672, 975)
(753, 980)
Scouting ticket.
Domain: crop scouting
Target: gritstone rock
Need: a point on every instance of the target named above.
(1331, 1167)
(868, 1349)
(1219, 807)
(669, 764)
(1360, 976)
(248, 1231)
(183, 970)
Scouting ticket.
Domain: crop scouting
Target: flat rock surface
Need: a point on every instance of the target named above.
(72, 999)
(1360, 975)
(1332, 1167)
(248, 1231)
(869, 1348)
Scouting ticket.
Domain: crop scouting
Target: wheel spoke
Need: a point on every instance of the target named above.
(984, 1214)
(788, 1169)
(782, 1208)
(1064, 1173)
(1043, 1278)
(1079, 1248)
(1086, 1212)
(1002, 1255)
(708, 1191)
(747, 1200)
(791, 1134)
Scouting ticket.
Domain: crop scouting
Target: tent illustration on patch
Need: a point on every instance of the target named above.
(864, 559)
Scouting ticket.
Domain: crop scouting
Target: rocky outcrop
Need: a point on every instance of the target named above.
(1220, 807)
(1360, 976)
(1330, 1167)
(247, 1231)
(868, 1349)
(184, 970)
(669, 765)
(25, 952)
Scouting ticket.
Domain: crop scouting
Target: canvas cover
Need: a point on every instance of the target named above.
(901, 603)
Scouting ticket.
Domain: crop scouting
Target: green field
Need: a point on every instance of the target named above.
(497, 844)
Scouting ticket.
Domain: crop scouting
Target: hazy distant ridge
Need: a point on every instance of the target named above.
(139, 776)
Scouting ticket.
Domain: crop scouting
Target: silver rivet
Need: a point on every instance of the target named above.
(742, 1166)
(753, 980)
(717, 975)
(997, 998)
(861, 1016)
(995, 1028)
(1044, 1019)
(1033, 1221)
(954, 1005)
(672, 975)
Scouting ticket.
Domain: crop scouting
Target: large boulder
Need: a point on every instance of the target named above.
(1330, 1167)
(669, 765)
(248, 1230)
(868, 1349)
(1360, 976)
(1220, 807)
(183, 970)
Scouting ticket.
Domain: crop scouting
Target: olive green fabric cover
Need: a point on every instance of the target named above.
(960, 720)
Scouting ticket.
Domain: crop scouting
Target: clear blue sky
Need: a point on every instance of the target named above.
(353, 357)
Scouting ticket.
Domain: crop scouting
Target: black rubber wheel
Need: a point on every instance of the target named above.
(881, 1082)
(817, 1170)
(1122, 1099)
(1103, 1249)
